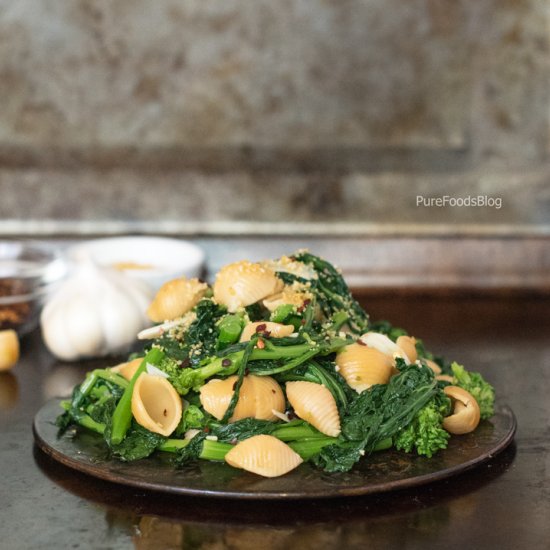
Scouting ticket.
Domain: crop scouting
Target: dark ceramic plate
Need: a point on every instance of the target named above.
(382, 472)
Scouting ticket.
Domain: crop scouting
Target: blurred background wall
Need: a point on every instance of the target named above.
(192, 117)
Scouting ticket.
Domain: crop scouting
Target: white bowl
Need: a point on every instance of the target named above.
(154, 260)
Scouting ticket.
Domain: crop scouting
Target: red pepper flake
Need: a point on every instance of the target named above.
(260, 344)
(261, 327)
(273, 391)
(165, 412)
(235, 385)
(206, 429)
(227, 363)
(246, 372)
(185, 363)
(360, 342)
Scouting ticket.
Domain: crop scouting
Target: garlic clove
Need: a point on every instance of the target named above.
(9, 349)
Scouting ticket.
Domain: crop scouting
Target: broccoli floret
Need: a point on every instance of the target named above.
(425, 433)
(184, 378)
(480, 389)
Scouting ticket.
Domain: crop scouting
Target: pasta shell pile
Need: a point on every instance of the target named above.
(281, 349)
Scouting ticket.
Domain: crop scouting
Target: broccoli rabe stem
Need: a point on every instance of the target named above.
(214, 450)
(229, 364)
(311, 446)
(338, 320)
(122, 417)
(84, 420)
(211, 450)
(297, 430)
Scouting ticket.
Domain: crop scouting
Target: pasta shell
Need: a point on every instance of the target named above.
(383, 344)
(244, 283)
(268, 397)
(264, 455)
(408, 345)
(216, 394)
(465, 416)
(362, 366)
(433, 365)
(175, 298)
(315, 404)
(275, 330)
(156, 405)
(258, 397)
(128, 369)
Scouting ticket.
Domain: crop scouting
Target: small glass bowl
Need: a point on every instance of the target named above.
(28, 272)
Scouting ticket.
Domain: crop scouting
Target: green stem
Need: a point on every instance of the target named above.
(292, 433)
(339, 319)
(83, 419)
(107, 374)
(214, 450)
(122, 417)
(89, 423)
(173, 445)
(290, 365)
(309, 447)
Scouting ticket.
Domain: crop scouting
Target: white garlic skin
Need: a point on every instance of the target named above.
(96, 312)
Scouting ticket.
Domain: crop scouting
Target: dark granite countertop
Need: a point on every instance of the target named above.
(504, 503)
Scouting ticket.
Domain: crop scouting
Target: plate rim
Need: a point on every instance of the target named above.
(337, 492)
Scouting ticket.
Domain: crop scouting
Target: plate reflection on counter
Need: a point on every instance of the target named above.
(157, 520)
(9, 390)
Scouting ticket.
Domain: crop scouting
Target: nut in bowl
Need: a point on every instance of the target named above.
(154, 260)
(28, 271)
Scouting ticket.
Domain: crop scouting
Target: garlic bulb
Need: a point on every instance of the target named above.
(95, 312)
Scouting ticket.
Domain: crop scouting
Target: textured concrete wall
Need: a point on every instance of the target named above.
(304, 110)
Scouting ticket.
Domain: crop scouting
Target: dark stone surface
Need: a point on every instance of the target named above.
(503, 503)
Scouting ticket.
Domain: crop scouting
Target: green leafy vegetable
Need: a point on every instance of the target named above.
(333, 294)
(480, 389)
(425, 433)
(138, 443)
(378, 414)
